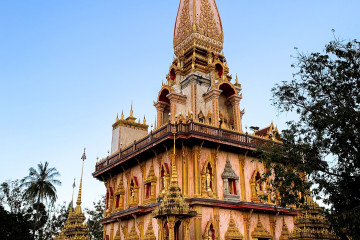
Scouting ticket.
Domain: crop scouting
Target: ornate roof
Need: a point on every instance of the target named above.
(229, 171)
(312, 224)
(232, 231)
(198, 21)
(173, 203)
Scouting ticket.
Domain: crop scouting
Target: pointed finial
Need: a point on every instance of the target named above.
(72, 197)
(117, 117)
(131, 109)
(78, 202)
(237, 79)
(144, 121)
(155, 126)
(122, 114)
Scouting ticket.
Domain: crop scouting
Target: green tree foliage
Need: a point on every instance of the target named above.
(11, 196)
(325, 141)
(94, 217)
(15, 226)
(39, 186)
(56, 221)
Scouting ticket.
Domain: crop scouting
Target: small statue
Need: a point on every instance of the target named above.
(208, 180)
(132, 194)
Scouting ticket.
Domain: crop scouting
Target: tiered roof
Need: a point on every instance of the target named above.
(312, 224)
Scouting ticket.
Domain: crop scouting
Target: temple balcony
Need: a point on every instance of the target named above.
(189, 132)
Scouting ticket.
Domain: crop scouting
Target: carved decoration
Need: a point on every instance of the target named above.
(119, 195)
(150, 235)
(184, 29)
(260, 231)
(232, 231)
(133, 234)
(257, 188)
(164, 177)
(150, 186)
(207, 24)
(210, 233)
(207, 179)
(285, 232)
(231, 191)
(133, 192)
(117, 235)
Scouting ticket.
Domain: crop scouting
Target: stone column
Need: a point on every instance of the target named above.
(246, 219)
(175, 99)
(213, 97)
(160, 107)
(235, 101)
(193, 99)
(171, 222)
(242, 176)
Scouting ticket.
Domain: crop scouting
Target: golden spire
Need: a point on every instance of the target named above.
(122, 115)
(201, 17)
(74, 227)
(78, 202)
(131, 110)
(117, 117)
(144, 121)
(174, 176)
(72, 198)
(173, 203)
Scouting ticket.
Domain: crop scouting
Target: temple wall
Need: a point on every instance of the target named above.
(129, 135)
(115, 140)
(207, 213)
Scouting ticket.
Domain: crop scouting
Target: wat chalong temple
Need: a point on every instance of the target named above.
(196, 175)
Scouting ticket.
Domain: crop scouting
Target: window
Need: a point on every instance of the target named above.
(232, 187)
(148, 190)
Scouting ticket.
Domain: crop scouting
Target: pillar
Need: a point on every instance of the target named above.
(235, 101)
(160, 107)
(175, 99)
(242, 159)
(213, 97)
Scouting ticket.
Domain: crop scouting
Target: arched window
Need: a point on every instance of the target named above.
(211, 232)
(219, 69)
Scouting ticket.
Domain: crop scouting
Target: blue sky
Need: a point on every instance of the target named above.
(68, 67)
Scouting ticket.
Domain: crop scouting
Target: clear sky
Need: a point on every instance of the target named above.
(68, 67)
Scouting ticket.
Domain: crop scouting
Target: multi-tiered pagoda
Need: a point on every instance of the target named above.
(75, 228)
(195, 175)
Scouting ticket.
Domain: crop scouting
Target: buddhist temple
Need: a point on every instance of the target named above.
(196, 174)
(75, 228)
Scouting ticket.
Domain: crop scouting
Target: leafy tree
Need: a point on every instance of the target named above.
(42, 218)
(14, 226)
(11, 196)
(94, 217)
(56, 221)
(39, 186)
(324, 142)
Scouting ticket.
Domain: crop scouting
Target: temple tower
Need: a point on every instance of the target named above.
(196, 175)
(198, 83)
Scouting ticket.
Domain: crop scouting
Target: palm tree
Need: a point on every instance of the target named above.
(39, 186)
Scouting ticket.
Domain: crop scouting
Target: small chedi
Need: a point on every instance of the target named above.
(311, 223)
(195, 175)
(75, 228)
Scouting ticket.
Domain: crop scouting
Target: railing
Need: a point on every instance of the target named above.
(193, 128)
